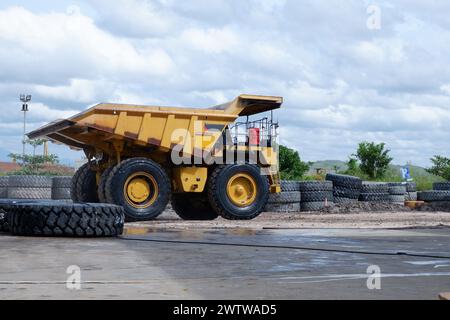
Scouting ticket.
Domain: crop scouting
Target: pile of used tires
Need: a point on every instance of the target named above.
(411, 191)
(316, 195)
(35, 187)
(374, 192)
(286, 201)
(346, 189)
(440, 193)
(397, 192)
(38, 218)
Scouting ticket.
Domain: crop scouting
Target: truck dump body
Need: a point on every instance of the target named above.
(149, 126)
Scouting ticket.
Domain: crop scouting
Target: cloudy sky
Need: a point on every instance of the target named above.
(346, 75)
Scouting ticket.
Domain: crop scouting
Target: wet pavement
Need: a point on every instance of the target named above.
(158, 263)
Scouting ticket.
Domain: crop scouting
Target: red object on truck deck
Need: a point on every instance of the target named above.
(254, 136)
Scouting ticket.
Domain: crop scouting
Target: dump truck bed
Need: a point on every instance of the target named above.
(149, 126)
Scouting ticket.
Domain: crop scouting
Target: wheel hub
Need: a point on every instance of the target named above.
(242, 190)
(141, 190)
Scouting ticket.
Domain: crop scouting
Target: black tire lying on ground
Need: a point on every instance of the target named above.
(4, 187)
(66, 220)
(342, 192)
(285, 197)
(306, 186)
(397, 190)
(441, 186)
(62, 182)
(395, 198)
(287, 186)
(61, 194)
(341, 180)
(29, 193)
(374, 197)
(5, 208)
(432, 196)
(314, 206)
(283, 207)
(317, 196)
(30, 181)
(374, 187)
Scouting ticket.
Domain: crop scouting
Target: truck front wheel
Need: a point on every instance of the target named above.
(238, 192)
(139, 185)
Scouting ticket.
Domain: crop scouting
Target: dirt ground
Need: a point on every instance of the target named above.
(350, 216)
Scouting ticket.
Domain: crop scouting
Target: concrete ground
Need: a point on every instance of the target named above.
(157, 261)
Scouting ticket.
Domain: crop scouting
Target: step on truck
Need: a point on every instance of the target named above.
(207, 162)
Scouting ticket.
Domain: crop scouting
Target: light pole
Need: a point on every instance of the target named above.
(25, 99)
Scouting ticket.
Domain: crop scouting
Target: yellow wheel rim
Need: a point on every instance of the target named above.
(141, 190)
(242, 190)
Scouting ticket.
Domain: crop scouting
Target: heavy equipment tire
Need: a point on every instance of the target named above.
(285, 197)
(397, 190)
(374, 197)
(3, 192)
(61, 194)
(30, 182)
(238, 191)
(29, 193)
(102, 185)
(342, 200)
(84, 185)
(395, 198)
(314, 206)
(287, 186)
(317, 196)
(441, 186)
(306, 186)
(62, 182)
(4, 219)
(343, 192)
(141, 186)
(4, 182)
(341, 180)
(66, 220)
(431, 196)
(283, 207)
(193, 206)
(375, 187)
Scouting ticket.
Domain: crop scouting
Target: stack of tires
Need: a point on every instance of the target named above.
(286, 201)
(4, 187)
(411, 191)
(61, 188)
(346, 189)
(316, 195)
(374, 192)
(397, 192)
(440, 193)
(30, 187)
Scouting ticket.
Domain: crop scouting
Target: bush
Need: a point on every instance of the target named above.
(291, 166)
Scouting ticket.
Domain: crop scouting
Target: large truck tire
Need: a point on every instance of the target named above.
(84, 185)
(66, 220)
(141, 186)
(29, 193)
(432, 196)
(441, 186)
(345, 181)
(317, 196)
(193, 206)
(285, 197)
(283, 207)
(4, 183)
(238, 191)
(308, 186)
(287, 186)
(102, 185)
(30, 182)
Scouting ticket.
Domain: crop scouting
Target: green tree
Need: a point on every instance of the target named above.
(373, 159)
(441, 167)
(32, 165)
(36, 143)
(291, 166)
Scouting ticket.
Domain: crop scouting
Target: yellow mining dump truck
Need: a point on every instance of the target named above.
(203, 160)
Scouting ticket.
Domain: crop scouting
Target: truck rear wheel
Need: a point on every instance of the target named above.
(193, 206)
(102, 185)
(139, 185)
(238, 192)
(84, 185)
